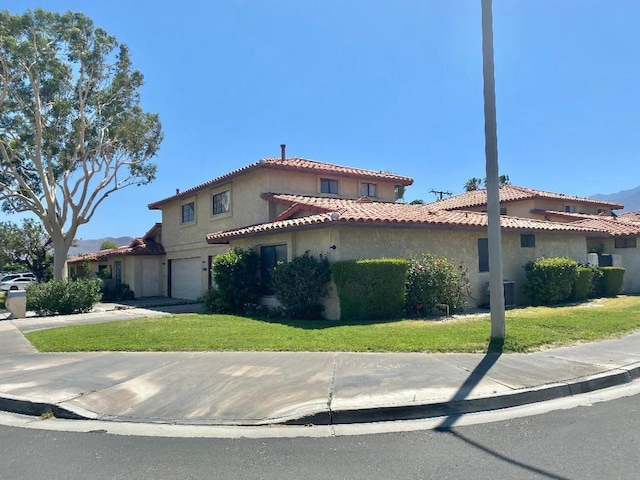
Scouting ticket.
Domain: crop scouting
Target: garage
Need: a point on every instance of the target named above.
(185, 278)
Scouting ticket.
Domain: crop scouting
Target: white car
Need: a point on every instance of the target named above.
(16, 281)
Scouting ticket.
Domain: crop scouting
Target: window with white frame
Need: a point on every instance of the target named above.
(220, 202)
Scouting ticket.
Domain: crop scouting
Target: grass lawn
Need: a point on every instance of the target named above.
(527, 329)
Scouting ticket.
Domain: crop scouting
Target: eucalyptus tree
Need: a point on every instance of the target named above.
(72, 131)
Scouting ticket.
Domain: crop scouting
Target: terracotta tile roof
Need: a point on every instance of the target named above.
(512, 193)
(291, 164)
(138, 246)
(611, 225)
(568, 215)
(389, 215)
(630, 217)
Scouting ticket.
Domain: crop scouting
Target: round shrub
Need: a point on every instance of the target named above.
(63, 297)
(301, 284)
(432, 282)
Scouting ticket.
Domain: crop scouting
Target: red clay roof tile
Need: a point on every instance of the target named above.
(512, 193)
(291, 164)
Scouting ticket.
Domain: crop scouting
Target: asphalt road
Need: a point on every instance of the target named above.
(595, 442)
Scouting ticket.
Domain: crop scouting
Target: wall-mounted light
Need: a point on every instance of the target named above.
(333, 247)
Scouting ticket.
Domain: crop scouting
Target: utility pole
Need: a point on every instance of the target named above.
(440, 193)
(496, 279)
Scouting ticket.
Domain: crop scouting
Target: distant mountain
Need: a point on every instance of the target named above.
(90, 246)
(629, 198)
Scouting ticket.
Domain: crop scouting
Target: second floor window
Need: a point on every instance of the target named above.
(368, 190)
(188, 212)
(221, 202)
(328, 185)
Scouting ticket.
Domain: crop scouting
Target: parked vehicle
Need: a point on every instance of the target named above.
(16, 281)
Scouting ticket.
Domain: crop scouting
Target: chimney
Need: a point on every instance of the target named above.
(177, 191)
(283, 147)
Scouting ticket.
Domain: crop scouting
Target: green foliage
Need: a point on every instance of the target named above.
(370, 289)
(432, 282)
(70, 113)
(63, 297)
(108, 245)
(582, 285)
(112, 292)
(550, 280)
(26, 247)
(301, 284)
(612, 280)
(237, 276)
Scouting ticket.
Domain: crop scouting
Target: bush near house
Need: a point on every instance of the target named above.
(63, 297)
(611, 282)
(433, 282)
(371, 289)
(550, 280)
(582, 285)
(301, 284)
(236, 273)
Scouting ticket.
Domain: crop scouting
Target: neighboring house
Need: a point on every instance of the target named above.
(615, 238)
(139, 264)
(530, 203)
(234, 200)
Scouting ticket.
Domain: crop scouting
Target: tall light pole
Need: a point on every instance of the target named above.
(496, 279)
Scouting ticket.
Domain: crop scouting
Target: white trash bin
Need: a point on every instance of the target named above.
(16, 303)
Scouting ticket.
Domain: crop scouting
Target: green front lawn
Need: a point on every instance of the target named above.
(527, 329)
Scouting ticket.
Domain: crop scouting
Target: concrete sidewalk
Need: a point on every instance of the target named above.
(261, 388)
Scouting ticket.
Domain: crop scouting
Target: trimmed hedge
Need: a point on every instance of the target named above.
(582, 285)
(63, 297)
(371, 289)
(612, 280)
(550, 280)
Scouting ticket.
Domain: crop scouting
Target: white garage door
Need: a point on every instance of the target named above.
(186, 278)
(150, 278)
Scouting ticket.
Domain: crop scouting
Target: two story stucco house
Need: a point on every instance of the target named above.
(235, 200)
(283, 207)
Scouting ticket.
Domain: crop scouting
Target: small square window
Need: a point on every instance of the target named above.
(570, 209)
(503, 210)
(527, 240)
(220, 202)
(368, 190)
(188, 212)
(328, 185)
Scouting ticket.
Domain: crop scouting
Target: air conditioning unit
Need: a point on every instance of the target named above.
(509, 293)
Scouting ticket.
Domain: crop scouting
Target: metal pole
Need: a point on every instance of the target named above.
(496, 288)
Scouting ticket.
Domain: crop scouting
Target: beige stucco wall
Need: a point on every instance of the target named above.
(627, 258)
(523, 208)
(459, 246)
(246, 208)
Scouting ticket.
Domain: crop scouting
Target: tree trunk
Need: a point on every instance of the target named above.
(60, 251)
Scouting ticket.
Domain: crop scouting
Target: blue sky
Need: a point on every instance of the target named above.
(382, 85)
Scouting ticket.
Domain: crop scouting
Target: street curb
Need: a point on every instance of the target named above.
(36, 409)
(450, 409)
(612, 378)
